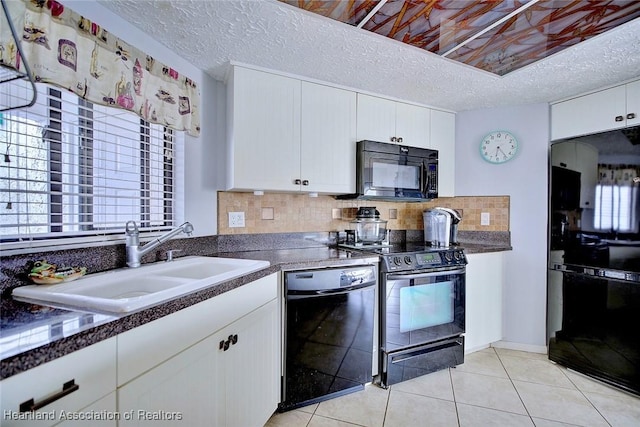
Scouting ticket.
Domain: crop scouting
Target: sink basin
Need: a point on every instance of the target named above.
(130, 289)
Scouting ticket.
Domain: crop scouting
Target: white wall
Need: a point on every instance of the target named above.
(524, 179)
(199, 185)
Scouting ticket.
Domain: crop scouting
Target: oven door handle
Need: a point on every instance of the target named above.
(421, 275)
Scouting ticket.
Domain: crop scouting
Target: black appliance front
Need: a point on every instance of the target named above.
(599, 329)
(423, 323)
(329, 342)
(395, 172)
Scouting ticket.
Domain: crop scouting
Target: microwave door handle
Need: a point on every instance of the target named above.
(426, 180)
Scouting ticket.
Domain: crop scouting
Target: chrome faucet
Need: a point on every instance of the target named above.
(135, 252)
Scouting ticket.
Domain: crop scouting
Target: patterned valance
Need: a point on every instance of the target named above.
(618, 174)
(70, 51)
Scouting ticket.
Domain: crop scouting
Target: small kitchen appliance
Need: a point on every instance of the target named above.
(441, 227)
(367, 228)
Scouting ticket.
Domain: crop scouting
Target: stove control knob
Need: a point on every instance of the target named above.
(408, 260)
(397, 260)
(447, 256)
(456, 255)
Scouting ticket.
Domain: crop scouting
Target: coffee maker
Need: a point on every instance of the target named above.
(441, 226)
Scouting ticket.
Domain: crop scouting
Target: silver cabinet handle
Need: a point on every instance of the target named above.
(393, 139)
(297, 181)
(399, 139)
(631, 116)
(305, 182)
(619, 118)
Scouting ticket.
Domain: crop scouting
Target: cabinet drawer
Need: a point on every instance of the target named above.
(92, 369)
(147, 346)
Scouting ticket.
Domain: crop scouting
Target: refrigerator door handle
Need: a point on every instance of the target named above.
(605, 273)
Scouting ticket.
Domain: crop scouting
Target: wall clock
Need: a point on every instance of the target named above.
(498, 147)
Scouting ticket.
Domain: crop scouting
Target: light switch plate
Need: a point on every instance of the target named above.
(236, 219)
(485, 218)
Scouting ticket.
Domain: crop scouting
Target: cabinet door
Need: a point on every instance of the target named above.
(328, 139)
(443, 139)
(181, 391)
(264, 132)
(413, 125)
(483, 308)
(563, 154)
(250, 368)
(92, 369)
(105, 407)
(597, 112)
(633, 103)
(376, 118)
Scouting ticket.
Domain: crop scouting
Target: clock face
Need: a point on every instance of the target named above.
(498, 147)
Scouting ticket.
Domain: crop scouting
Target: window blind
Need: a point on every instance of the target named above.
(73, 168)
(616, 207)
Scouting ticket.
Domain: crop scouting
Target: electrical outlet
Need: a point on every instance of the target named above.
(236, 219)
(485, 218)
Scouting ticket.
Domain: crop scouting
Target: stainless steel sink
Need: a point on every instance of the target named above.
(130, 289)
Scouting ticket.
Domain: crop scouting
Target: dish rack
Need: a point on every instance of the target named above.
(9, 75)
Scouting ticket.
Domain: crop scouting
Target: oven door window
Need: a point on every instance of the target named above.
(423, 306)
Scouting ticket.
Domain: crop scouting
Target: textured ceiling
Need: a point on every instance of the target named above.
(277, 36)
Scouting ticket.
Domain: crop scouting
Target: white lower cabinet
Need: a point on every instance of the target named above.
(249, 371)
(102, 413)
(74, 386)
(228, 377)
(483, 308)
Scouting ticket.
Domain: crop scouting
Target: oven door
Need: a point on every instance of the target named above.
(422, 307)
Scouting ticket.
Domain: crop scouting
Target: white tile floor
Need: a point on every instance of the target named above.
(493, 388)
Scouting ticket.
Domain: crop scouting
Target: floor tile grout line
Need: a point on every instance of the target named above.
(584, 395)
(453, 391)
(514, 387)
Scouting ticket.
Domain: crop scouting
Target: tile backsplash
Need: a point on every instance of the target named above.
(280, 213)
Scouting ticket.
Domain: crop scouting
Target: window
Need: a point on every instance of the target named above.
(616, 207)
(72, 168)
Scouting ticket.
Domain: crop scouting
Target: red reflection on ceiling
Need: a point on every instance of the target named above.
(496, 36)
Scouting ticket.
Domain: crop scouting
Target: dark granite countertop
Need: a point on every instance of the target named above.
(31, 334)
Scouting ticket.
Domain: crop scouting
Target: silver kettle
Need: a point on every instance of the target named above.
(441, 226)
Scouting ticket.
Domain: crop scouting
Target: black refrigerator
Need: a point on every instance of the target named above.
(593, 286)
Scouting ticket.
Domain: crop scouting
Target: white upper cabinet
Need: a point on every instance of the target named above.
(328, 139)
(443, 137)
(390, 121)
(289, 135)
(263, 132)
(608, 109)
(633, 103)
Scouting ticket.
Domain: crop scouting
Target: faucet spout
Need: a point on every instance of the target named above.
(135, 252)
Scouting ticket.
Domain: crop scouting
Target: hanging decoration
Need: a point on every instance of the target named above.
(628, 175)
(70, 51)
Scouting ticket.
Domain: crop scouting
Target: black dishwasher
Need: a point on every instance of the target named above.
(329, 333)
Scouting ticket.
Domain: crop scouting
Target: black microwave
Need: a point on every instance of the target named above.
(395, 172)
